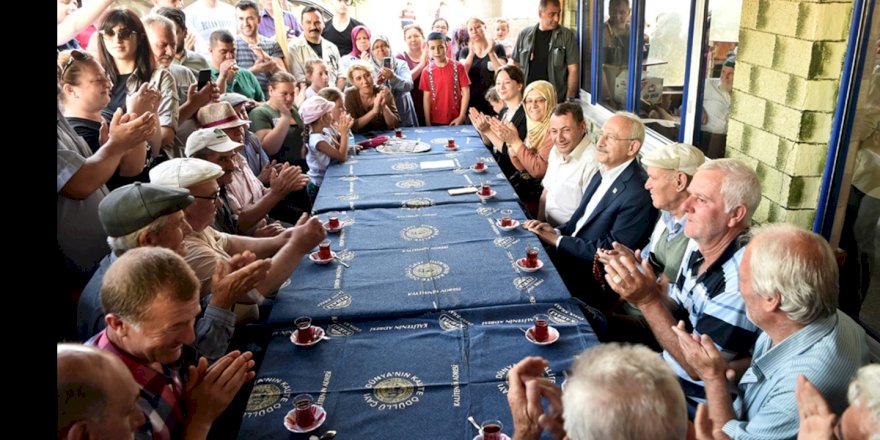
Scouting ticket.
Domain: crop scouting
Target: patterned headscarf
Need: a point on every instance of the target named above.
(376, 61)
(355, 52)
(538, 129)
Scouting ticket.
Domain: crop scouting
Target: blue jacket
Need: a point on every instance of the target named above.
(625, 215)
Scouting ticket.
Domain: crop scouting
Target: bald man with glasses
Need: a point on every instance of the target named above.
(615, 207)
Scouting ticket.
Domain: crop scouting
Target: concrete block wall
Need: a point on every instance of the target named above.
(787, 77)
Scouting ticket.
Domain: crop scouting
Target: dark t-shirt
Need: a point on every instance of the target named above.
(481, 78)
(317, 48)
(342, 40)
(90, 131)
(541, 51)
(117, 97)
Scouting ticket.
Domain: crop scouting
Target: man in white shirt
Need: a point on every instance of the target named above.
(570, 167)
(312, 46)
(206, 16)
(615, 207)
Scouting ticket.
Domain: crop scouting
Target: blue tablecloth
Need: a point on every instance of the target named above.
(405, 261)
(375, 180)
(417, 377)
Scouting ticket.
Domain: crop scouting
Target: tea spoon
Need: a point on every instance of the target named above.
(327, 435)
(474, 422)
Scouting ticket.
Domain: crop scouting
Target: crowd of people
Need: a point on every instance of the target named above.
(192, 143)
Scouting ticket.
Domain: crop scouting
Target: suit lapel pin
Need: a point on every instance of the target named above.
(614, 190)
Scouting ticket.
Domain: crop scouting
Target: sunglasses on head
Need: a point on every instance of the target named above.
(75, 55)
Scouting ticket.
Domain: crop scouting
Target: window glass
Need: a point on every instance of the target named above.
(586, 31)
(860, 236)
(664, 67)
(615, 51)
(724, 17)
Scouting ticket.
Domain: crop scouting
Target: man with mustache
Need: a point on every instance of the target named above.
(311, 45)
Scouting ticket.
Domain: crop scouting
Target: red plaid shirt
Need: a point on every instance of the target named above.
(161, 396)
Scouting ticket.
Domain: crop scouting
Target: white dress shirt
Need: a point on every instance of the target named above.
(566, 180)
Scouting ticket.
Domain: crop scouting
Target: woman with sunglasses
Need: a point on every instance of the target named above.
(126, 57)
(85, 90)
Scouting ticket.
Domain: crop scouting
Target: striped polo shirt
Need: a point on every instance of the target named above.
(715, 308)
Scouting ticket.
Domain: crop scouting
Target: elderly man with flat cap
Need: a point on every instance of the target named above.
(248, 199)
(143, 214)
(670, 170)
(205, 245)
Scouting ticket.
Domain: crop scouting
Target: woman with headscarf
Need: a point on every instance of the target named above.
(360, 48)
(394, 74)
(529, 157)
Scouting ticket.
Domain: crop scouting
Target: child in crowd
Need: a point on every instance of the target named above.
(494, 100)
(316, 77)
(323, 147)
(335, 96)
(446, 86)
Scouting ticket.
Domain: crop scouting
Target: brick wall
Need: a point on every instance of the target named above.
(784, 93)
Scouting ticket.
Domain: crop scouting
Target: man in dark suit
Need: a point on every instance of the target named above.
(615, 207)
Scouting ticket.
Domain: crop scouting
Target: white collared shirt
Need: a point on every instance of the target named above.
(566, 180)
(608, 178)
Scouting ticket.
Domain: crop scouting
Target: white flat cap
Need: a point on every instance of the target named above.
(679, 157)
(184, 172)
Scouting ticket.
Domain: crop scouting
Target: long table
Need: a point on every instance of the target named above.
(430, 314)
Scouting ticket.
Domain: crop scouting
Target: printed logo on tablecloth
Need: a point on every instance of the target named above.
(347, 197)
(427, 270)
(453, 321)
(527, 283)
(269, 394)
(486, 211)
(349, 178)
(421, 202)
(410, 183)
(503, 386)
(351, 161)
(394, 390)
(404, 166)
(501, 176)
(451, 155)
(342, 329)
(560, 315)
(439, 141)
(505, 242)
(461, 170)
(339, 300)
(419, 233)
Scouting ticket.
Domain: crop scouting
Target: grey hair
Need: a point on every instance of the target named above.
(130, 241)
(865, 390)
(636, 126)
(153, 19)
(623, 392)
(740, 185)
(799, 266)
